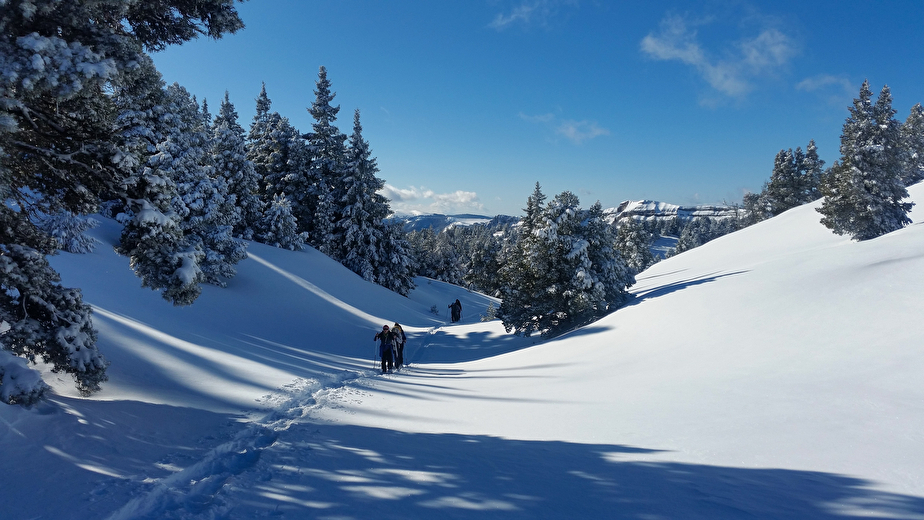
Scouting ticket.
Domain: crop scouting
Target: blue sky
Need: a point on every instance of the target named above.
(467, 104)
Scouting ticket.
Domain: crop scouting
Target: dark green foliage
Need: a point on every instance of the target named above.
(633, 242)
(564, 271)
(912, 136)
(864, 191)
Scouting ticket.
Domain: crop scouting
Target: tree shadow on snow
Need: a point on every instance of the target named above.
(441, 346)
(329, 471)
(116, 464)
(663, 290)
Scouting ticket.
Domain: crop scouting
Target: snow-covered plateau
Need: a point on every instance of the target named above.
(775, 372)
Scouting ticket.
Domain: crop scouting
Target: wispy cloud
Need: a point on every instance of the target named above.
(580, 131)
(836, 89)
(421, 200)
(575, 131)
(530, 13)
(743, 61)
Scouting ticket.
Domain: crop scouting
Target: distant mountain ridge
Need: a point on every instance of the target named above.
(640, 210)
(439, 222)
(654, 210)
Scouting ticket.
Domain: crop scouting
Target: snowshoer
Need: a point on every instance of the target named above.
(386, 348)
(456, 310)
(400, 340)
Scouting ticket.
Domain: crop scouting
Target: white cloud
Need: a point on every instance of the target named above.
(733, 76)
(580, 131)
(575, 131)
(823, 81)
(420, 200)
(531, 12)
(837, 90)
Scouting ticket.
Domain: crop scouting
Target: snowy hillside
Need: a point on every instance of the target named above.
(771, 373)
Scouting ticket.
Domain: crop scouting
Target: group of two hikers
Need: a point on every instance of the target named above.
(391, 347)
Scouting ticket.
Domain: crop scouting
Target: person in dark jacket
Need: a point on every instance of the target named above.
(456, 310)
(400, 340)
(386, 341)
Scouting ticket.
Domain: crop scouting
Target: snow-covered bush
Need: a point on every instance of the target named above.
(19, 384)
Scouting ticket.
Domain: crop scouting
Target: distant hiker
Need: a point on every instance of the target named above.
(400, 340)
(455, 309)
(386, 341)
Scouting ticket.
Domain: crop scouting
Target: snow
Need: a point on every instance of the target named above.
(773, 373)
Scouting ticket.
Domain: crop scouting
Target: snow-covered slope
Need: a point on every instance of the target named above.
(771, 373)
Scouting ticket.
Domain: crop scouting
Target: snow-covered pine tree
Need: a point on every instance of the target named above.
(47, 321)
(259, 151)
(863, 192)
(566, 291)
(58, 150)
(396, 270)
(521, 277)
(633, 242)
(68, 231)
(912, 136)
(279, 228)
(485, 261)
(361, 224)
(319, 203)
(152, 237)
(572, 270)
(449, 266)
(607, 264)
(229, 157)
(277, 152)
(811, 169)
(207, 216)
(782, 191)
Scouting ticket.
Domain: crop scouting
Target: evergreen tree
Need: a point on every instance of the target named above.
(633, 242)
(59, 151)
(566, 270)
(912, 136)
(485, 261)
(361, 226)
(533, 210)
(863, 192)
(279, 228)
(423, 245)
(701, 230)
(607, 264)
(812, 168)
(783, 190)
(202, 202)
(275, 149)
(755, 209)
(152, 237)
(520, 277)
(318, 200)
(229, 156)
(396, 271)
